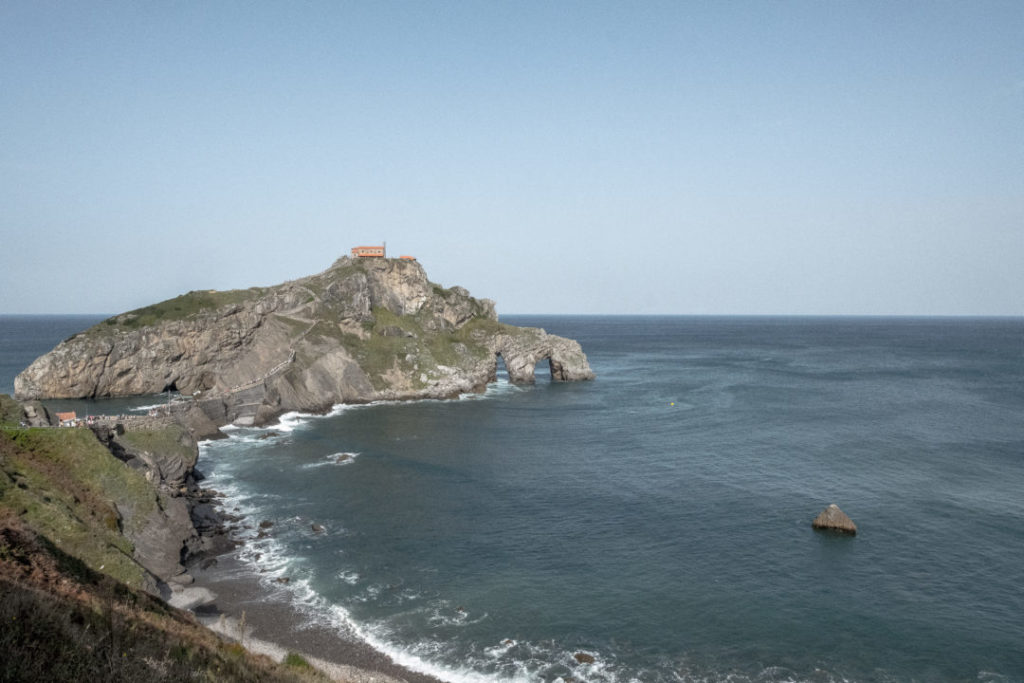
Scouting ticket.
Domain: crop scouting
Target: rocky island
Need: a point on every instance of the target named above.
(365, 329)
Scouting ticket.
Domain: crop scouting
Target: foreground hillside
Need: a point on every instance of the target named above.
(65, 622)
(90, 533)
(362, 330)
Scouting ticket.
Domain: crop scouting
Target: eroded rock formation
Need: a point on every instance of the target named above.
(834, 519)
(363, 330)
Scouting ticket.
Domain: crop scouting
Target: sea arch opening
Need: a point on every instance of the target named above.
(525, 369)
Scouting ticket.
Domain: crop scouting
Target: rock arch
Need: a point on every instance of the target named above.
(521, 353)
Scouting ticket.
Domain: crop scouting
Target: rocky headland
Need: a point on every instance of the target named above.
(365, 329)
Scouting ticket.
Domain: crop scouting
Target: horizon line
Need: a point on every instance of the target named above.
(648, 315)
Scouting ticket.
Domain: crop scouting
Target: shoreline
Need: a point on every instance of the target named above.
(227, 593)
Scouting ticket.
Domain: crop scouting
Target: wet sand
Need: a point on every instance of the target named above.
(275, 627)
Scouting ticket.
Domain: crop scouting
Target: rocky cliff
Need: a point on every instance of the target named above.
(363, 330)
(120, 499)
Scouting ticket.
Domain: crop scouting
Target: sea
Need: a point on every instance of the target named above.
(654, 524)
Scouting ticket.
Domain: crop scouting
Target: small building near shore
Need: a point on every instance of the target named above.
(67, 419)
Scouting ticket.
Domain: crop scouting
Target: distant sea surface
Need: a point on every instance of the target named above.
(657, 520)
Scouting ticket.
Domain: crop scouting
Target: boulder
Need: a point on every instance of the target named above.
(834, 519)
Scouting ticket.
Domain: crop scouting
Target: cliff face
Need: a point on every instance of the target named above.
(363, 330)
(64, 621)
(118, 500)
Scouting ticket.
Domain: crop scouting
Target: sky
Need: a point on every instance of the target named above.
(682, 157)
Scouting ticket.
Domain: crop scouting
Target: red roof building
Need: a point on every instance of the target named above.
(67, 419)
(368, 252)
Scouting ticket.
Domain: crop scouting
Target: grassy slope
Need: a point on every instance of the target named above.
(171, 439)
(70, 608)
(65, 622)
(180, 307)
(10, 411)
(62, 483)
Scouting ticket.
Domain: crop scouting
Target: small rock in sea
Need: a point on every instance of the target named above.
(584, 658)
(508, 641)
(268, 435)
(283, 579)
(266, 524)
(262, 534)
(212, 562)
(317, 529)
(834, 519)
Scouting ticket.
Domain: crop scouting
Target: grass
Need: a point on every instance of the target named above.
(170, 439)
(179, 308)
(62, 483)
(296, 661)
(10, 411)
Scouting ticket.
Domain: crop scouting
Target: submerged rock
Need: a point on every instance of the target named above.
(834, 519)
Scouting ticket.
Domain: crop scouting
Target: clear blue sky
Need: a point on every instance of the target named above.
(558, 157)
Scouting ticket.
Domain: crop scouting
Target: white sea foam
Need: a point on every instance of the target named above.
(494, 390)
(146, 409)
(272, 561)
(290, 421)
(349, 577)
(340, 459)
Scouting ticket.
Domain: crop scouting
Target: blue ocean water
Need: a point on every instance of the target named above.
(23, 338)
(658, 518)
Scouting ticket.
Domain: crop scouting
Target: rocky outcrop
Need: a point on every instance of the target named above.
(36, 415)
(834, 519)
(122, 495)
(165, 454)
(363, 330)
(523, 350)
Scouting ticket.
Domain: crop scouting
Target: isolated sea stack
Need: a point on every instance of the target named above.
(834, 519)
(367, 328)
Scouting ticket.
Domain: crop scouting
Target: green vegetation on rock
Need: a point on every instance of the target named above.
(297, 661)
(180, 307)
(10, 411)
(171, 439)
(62, 483)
